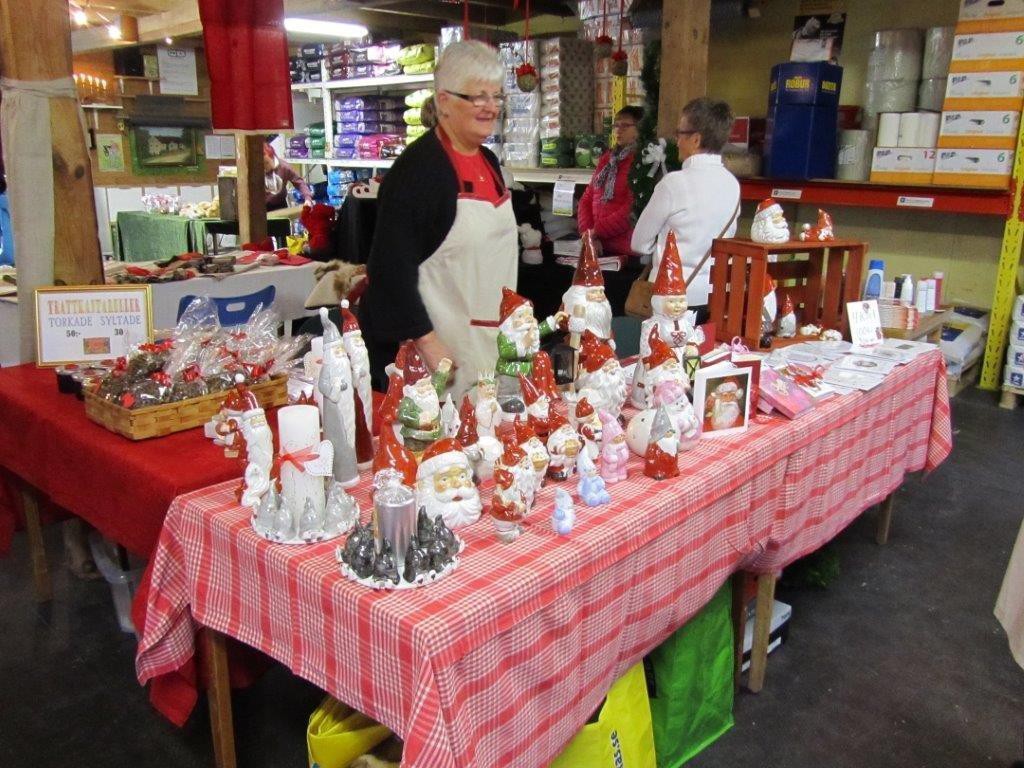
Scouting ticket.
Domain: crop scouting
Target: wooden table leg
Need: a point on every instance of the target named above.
(762, 631)
(36, 548)
(739, 622)
(884, 519)
(219, 696)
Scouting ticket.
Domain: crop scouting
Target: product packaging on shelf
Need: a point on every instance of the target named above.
(985, 90)
(979, 130)
(973, 167)
(992, 15)
(987, 51)
(900, 165)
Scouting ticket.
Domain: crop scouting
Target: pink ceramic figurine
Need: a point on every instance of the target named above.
(614, 451)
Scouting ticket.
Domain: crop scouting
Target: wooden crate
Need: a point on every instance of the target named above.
(160, 420)
(820, 281)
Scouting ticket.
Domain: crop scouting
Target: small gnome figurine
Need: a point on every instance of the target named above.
(339, 414)
(519, 334)
(481, 450)
(660, 365)
(388, 413)
(787, 323)
(538, 406)
(563, 518)
(391, 454)
(822, 232)
(535, 450)
(444, 484)
(601, 378)
(614, 451)
(515, 460)
(420, 407)
(769, 224)
(488, 412)
(508, 507)
(589, 426)
(544, 376)
(769, 310)
(359, 357)
(590, 486)
(587, 291)
(661, 460)
(564, 445)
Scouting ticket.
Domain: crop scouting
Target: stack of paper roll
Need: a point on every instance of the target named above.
(938, 49)
(908, 129)
(853, 162)
(894, 68)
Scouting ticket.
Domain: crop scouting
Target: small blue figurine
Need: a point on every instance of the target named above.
(591, 485)
(564, 517)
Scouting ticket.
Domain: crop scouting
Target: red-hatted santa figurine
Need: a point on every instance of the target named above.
(419, 410)
(661, 460)
(544, 376)
(534, 449)
(538, 406)
(601, 379)
(564, 445)
(388, 414)
(508, 507)
(787, 323)
(587, 291)
(391, 454)
(444, 484)
(588, 424)
(481, 450)
(355, 348)
(769, 224)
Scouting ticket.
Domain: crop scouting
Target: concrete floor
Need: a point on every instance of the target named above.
(898, 664)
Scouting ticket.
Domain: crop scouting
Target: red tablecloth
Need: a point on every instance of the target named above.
(121, 487)
(500, 663)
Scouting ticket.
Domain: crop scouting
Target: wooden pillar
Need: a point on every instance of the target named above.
(885, 519)
(35, 46)
(684, 59)
(252, 201)
(762, 631)
(219, 696)
(36, 547)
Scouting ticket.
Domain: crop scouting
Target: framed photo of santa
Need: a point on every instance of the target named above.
(721, 395)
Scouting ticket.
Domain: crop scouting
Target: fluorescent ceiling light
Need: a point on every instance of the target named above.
(114, 30)
(79, 17)
(325, 28)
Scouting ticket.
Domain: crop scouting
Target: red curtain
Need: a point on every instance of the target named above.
(247, 58)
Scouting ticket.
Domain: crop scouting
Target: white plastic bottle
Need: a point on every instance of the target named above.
(931, 294)
(873, 283)
(922, 296)
(907, 290)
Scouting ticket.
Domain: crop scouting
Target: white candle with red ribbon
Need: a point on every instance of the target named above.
(300, 458)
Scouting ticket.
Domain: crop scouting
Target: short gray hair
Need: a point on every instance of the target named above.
(465, 61)
(712, 120)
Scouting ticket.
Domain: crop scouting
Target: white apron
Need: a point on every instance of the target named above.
(461, 282)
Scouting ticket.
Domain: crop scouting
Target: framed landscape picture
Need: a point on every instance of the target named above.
(157, 149)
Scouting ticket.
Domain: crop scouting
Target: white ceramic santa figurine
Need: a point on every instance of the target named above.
(419, 410)
(587, 291)
(488, 412)
(338, 403)
(675, 324)
(444, 484)
(769, 224)
(538, 406)
(564, 445)
(589, 426)
(534, 449)
(614, 451)
(355, 348)
(787, 322)
(601, 378)
(259, 446)
(723, 408)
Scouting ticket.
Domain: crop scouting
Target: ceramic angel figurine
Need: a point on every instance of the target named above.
(674, 322)
(769, 224)
(661, 460)
(444, 484)
(563, 518)
(601, 379)
(564, 445)
(590, 486)
(614, 451)
(587, 292)
(338, 404)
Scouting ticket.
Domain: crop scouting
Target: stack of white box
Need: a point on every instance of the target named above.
(521, 127)
(1014, 373)
(567, 87)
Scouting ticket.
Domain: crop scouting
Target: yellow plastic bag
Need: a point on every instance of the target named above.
(296, 243)
(337, 735)
(622, 737)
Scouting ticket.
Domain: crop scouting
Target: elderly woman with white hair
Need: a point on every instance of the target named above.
(446, 239)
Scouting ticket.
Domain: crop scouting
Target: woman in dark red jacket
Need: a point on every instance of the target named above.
(607, 204)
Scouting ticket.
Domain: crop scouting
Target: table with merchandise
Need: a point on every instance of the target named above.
(501, 661)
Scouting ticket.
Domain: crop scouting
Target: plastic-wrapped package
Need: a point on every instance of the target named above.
(364, 128)
(522, 105)
(355, 115)
(521, 129)
(415, 54)
(369, 146)
(356, 102)
(415, 131)
(345, 153)
(896, 55)
(389, 115)
(340, 176)
(418, 98)
(343, 140)
(520, 155)
(316, 130)
(392, 128)
(425, 68)
(938, 50)
(412, 116)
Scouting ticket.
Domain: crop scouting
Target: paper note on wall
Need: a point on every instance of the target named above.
(177, 71)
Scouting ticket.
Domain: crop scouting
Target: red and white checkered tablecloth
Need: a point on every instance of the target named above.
(501, 662)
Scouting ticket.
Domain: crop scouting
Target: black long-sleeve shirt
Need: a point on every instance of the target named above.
(416, 210)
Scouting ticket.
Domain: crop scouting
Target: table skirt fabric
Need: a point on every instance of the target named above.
(502, 662)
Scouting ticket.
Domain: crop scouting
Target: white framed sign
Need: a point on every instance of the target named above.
(865, 323)
(88, 323)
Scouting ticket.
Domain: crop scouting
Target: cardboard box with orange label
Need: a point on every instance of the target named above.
(973, 167)
(990, 16)
(900, 165)
(988, 51)
(984, 90)
(979, 129)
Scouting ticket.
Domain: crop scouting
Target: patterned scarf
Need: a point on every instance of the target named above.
(605, 178)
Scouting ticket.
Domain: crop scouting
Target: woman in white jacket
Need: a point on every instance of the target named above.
(698, 202)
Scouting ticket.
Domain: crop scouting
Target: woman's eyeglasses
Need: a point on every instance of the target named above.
(481, 100)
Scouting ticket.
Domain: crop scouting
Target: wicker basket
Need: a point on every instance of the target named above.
(160, 420)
